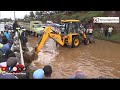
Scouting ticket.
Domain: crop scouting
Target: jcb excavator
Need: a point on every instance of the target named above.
(70, 37)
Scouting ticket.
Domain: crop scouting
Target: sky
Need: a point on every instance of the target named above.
(10, 14)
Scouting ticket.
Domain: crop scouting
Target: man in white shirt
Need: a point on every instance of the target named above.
(102, 30)
(90, 30)
(110, 29)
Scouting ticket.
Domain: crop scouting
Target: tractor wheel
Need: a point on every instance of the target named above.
(86, 41)
(75, 41)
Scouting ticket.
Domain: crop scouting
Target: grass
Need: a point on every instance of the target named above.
(114, 38)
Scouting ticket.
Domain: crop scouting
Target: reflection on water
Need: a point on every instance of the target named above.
(94, 60)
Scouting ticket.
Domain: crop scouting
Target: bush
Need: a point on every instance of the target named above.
(75, 16)
(65, 17)
(92, 14)
(114, 38)
(89, 16)
(58, 15)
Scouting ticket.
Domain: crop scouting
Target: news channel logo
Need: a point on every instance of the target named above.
(105, 19)
(2, 70)
(17, 69)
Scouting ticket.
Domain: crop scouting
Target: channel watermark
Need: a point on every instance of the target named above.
(15, 73)
(105, 19)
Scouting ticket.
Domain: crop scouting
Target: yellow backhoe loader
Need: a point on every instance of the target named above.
(70, 36)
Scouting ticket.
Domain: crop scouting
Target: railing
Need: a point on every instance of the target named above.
(21, 53)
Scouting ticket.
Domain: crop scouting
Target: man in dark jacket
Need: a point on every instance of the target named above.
(24, 39)
(15, 25)
(106, 32)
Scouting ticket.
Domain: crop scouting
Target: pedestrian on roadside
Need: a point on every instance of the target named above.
(110, 29)
(7, 34)
(2, 34)
(106, 32)
(15, 25)
(6, 46)
(90, 30)
(0, 38)
(102, 30)
(24, 39)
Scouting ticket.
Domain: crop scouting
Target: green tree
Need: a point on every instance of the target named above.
(32, 14)
(26, 16)
(38, 14)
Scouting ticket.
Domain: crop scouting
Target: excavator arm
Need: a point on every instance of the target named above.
(47, 33)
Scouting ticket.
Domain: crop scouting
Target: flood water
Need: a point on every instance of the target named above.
(99, 59)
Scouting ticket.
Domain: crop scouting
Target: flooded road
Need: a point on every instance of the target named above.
(99, 59)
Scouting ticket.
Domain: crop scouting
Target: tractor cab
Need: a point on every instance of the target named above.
(70, 26)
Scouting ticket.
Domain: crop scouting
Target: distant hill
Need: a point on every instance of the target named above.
(86, 16)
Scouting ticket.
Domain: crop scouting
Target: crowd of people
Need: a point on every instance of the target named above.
(10, 49)
(87, 29)
(107, 31)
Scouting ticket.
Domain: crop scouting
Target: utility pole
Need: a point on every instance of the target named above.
(0, 16)
(0, 20)
(14, 16)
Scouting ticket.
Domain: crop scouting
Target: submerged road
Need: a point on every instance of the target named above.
(99, 59)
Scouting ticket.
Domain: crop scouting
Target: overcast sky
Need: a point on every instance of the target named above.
(10, 14)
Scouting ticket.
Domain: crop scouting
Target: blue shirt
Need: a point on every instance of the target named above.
(7, 35)
(0, 40)
(5, 48)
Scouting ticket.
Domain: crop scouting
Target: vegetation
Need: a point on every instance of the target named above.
(5, 20)
(88, 16)
(56, 16)
(114, 38)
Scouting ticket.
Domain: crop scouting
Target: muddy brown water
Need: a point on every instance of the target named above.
(99, 59)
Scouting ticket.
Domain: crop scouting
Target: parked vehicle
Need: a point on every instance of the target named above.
(34, 27)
